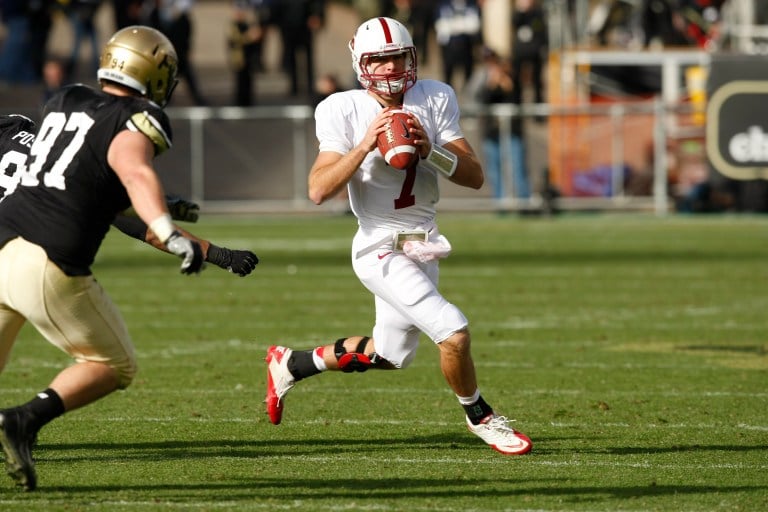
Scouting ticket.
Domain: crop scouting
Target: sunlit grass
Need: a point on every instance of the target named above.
(631, 349)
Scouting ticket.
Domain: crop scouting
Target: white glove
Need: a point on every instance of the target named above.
(189, 250)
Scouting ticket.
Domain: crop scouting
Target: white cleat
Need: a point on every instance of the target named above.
(495, 431)
(279, 381)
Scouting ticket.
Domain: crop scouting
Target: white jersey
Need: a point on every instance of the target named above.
(379, 195)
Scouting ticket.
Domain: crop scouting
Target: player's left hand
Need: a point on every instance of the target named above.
(420, 138)
(188, 250)
(182, 209)
(236, 261)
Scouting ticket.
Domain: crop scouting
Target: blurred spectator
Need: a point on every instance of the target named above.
(504, 150)
(325, 86)
(400, 10)
(530, 44)
(55, 76)
(703, 22)
(81, 14)
(299, 21)
(611, 22)
(172, 18)
(367, 9)
(262, 10)
(243, 39)
(458, 28)
(127, 12)
(422, 23)
(661, 24)
(40, 22)
(15, 65)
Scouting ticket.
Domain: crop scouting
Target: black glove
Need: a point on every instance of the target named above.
(241, 263)
(181, 209)
(187, 249)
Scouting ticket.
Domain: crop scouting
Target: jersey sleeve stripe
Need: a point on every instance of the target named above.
(147, 124)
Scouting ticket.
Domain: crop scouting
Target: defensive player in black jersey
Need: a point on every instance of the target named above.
(91, 159)
(16, 137)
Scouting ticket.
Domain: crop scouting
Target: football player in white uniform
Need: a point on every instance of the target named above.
(397, 247)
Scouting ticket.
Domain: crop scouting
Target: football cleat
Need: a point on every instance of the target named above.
(17, 441)
(495, 431)
(279, 381)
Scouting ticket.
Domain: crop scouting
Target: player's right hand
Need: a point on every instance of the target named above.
(189, 250)
(378, 125)
(182, 209)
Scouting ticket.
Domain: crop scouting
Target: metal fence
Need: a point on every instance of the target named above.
(254, 159)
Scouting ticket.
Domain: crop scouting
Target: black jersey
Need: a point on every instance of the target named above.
(16, 136)
(69, 195)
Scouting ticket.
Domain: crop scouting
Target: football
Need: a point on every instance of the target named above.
(396, 143)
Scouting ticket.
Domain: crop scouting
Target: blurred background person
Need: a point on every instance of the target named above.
(703, 22)
(262, 12)
(367, 9)
(458, 29)
(661, 24)
(55, 76)
(127, 13)
(15, 66)
(172, 18)
(40, 23)
(504, 150)
(243, 41)
(422, 24)
(81, 14)
(299, 21)
(326, 85)
(529, 26)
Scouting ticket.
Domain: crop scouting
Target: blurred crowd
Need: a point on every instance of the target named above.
(627, 23)
(456, 26)
(449, 35)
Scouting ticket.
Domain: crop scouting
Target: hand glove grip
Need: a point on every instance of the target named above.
(238, 262)
(188, 250)
(182, 209)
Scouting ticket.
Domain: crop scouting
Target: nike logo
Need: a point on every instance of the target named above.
(406, 133)
(384, 255)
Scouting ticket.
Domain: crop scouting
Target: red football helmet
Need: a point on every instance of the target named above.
(380, 37)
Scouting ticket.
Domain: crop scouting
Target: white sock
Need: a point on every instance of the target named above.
(317, 358)
(469, 400)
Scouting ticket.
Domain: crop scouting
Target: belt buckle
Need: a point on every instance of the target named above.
(400, 237)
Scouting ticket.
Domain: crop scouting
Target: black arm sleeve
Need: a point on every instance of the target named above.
(131, 226)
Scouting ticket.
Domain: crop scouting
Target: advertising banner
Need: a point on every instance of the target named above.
(737, 116)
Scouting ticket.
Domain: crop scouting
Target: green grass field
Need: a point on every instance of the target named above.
(630, 348)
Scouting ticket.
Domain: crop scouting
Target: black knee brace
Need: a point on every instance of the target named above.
(356, 361)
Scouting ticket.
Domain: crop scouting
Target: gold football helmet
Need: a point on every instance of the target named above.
(143, 59)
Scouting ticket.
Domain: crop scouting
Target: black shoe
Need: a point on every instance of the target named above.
(17, 440)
